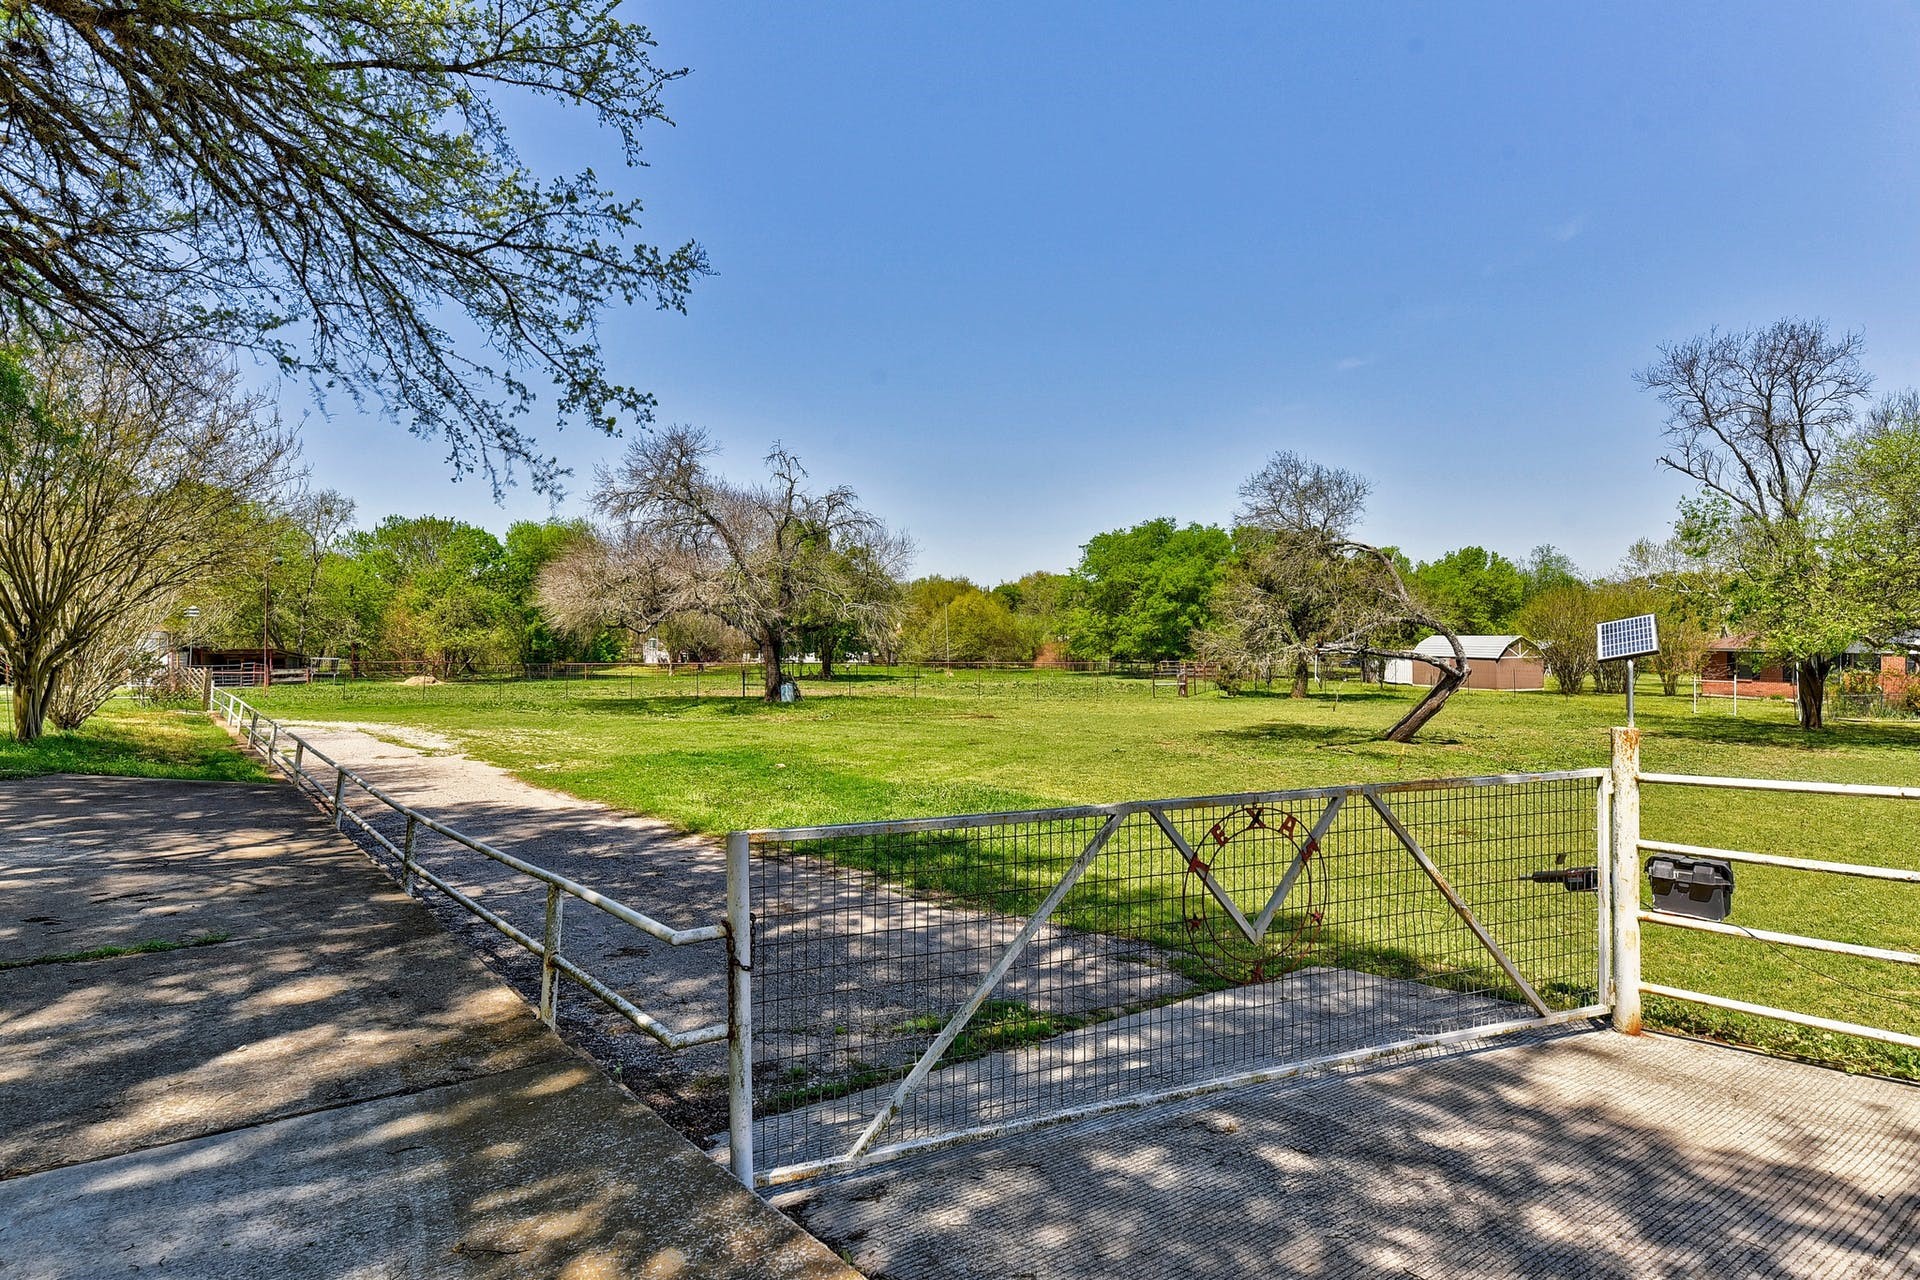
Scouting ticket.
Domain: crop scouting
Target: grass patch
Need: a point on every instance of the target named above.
(125, 740)
(996, 1026)
(148, 947)
(874, 748)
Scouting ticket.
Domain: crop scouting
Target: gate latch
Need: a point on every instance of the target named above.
(1572, 879)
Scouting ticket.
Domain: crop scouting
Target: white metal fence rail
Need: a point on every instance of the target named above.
(1629, 847)
(290, 752)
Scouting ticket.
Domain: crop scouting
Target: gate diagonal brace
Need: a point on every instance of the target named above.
(1458, 903)
(1202, 870)
(958, 1023)
(1308, 850)
(1256, 929)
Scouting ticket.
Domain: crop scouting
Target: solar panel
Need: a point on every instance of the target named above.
(1628, 638)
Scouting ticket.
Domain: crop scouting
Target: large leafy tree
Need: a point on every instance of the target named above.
(1142, 592)
(332, 183)
(768, 559)
(118, 493)
(448, 597)
(952, 620)
(1754, 418)
(1876, 509)
(1479, 591)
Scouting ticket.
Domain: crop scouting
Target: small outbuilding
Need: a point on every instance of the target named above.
(1493, 662)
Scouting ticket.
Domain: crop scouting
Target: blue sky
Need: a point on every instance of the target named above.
(1019, 273)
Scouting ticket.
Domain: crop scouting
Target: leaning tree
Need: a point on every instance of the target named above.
(1346, 595)
(119, 488)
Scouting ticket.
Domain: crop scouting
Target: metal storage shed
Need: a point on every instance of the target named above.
(1493, 662)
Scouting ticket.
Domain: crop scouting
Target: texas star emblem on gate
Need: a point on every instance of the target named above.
(1252, 867)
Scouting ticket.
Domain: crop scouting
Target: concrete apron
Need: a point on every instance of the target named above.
(337, 1089)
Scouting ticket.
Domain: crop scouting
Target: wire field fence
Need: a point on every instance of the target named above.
(563, 684)
(916, 982)
(578, 684)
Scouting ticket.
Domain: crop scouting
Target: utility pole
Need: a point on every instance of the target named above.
(266, 660)
(266, 656)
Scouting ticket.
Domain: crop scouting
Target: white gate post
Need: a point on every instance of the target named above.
(739, 1010)
(1625, 874)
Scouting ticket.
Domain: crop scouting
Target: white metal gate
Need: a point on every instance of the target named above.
(915, 983)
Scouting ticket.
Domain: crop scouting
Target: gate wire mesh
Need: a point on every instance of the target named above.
(1141, 980)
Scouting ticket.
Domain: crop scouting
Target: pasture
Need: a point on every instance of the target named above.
(879, 746)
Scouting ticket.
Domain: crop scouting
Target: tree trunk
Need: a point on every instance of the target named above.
(1813, 692)
(32, 691)
(1300, 677)
(1428, 707)
(826, 656)
(1452, 672)
(770, 645)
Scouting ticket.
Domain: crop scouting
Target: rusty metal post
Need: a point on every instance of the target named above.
(1625, 876)
(739, 1010)
(549, 959)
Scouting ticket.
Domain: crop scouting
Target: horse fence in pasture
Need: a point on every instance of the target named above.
(568, 681)
(896, 986)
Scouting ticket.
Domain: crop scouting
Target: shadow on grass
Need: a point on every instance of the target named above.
(1282, 692)
(1728, 731)
(1282, 732)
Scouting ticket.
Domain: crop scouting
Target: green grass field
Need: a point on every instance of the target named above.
(130, 741)
(873, 747)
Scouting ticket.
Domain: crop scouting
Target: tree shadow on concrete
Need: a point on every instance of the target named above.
(1572, 1156)
(340, 1090)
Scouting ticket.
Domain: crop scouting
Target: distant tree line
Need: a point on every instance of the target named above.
(141, 497)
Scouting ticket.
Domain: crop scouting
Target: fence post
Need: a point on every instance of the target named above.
(406, 854)
(550, 952)
(1626, 880)
(739, 1011)
(339, 783)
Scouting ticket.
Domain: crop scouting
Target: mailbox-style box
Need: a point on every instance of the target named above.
(1698, 887)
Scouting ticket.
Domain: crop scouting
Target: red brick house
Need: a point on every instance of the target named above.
(1739, 660)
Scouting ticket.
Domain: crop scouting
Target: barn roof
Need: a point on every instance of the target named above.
(1481, 647)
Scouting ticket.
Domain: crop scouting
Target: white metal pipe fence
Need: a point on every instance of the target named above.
(1629, 847)
(293, 754)
(900, 985)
